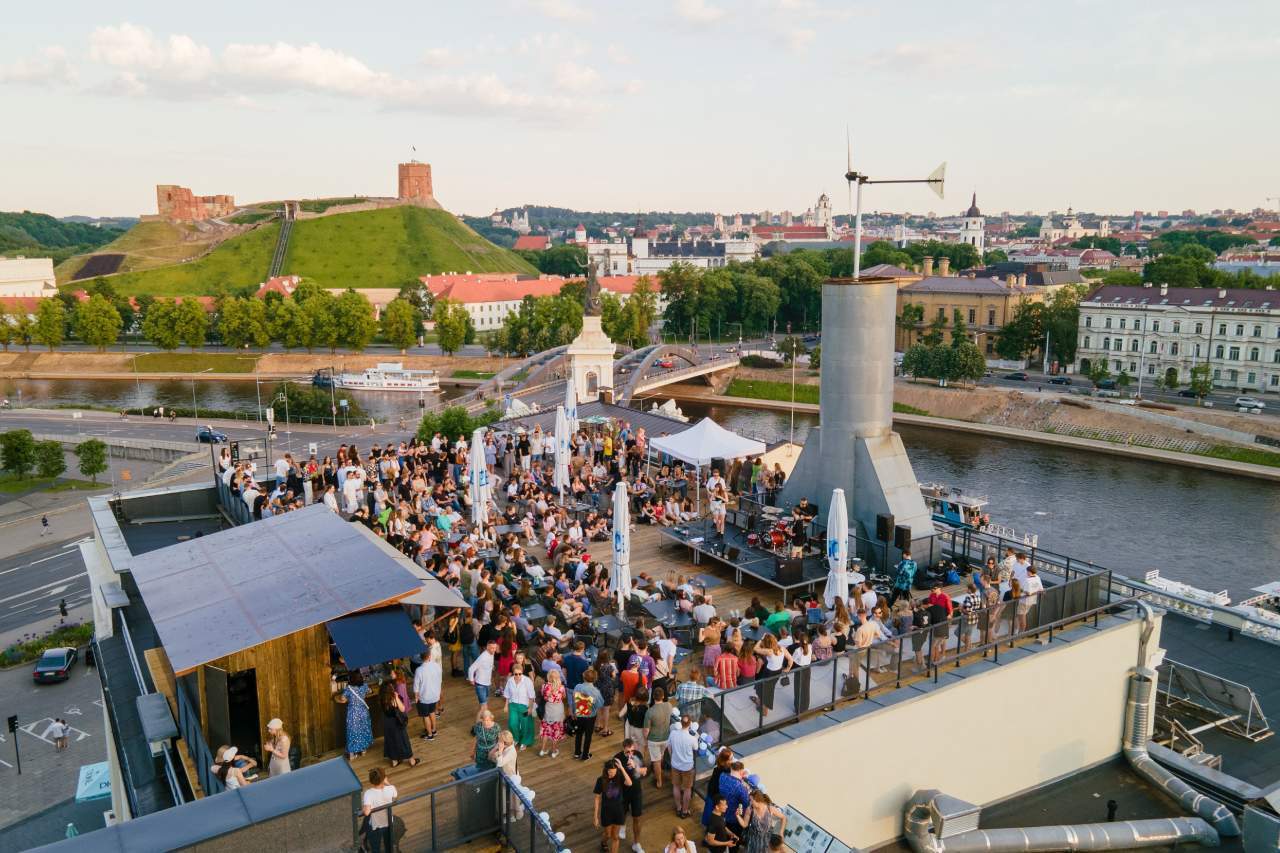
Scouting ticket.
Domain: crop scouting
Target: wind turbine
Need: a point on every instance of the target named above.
(935, 182)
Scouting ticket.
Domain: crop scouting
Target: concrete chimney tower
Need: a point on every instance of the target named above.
(928, 266)
(855, 447)
(944, 265)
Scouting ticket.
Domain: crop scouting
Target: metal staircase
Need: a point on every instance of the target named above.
(287, 216)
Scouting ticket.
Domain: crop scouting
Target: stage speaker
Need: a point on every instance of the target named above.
(721, 466)
(732, 553)
(884, 527)
(790, 570)
(902, 537)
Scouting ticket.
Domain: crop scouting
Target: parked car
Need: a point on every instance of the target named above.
(1107, 385)
(1187, 392)
(1059, 380)
(1247, 402)
(54, 665)
(1018, 375)
(209, 435)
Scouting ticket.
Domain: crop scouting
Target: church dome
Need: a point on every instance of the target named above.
(973, 207)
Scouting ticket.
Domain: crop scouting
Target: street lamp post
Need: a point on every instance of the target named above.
(195, 406)
(792, 348)
(283, 397)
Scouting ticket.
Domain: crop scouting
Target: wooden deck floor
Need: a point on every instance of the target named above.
(563, 786)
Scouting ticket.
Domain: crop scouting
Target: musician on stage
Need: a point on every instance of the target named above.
(799, 534)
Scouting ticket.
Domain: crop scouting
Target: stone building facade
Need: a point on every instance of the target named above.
(179, 204)
(414, 183)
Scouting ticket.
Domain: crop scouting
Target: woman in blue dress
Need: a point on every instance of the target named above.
(359, 725)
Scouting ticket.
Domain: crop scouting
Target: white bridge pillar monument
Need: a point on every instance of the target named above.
(854, 447)
(590, 356)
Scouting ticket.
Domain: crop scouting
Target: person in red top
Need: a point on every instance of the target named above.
(726, 671)
(940, 598)
(630, 679)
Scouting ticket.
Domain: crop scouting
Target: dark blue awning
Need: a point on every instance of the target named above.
(375, 636)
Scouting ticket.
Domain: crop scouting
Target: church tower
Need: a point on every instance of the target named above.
(822, 213)
(971, 230)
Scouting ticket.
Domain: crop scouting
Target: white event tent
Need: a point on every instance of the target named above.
(704, 441)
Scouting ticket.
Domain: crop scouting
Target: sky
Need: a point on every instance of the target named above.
(724, 105)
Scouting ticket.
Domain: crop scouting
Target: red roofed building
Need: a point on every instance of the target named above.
(791, 233)
(532, 242)
(284, 285)
(490, 297)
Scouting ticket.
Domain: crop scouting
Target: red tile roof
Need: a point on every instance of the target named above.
(533, 242)
(281, 284)
(509, 287)
(791, 232)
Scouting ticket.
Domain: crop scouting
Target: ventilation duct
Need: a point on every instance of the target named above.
(938, 823)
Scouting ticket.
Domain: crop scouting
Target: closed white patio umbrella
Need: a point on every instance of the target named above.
(837, 551)
(561, 477)
(620, 581)
(481, 487)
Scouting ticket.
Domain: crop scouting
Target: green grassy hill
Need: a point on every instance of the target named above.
(145, 246)
(375, 248)
(386, 248)
(237, 262)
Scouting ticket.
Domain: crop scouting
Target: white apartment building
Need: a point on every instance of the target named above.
(1161, 331)
(642, 256)
(27, 277)
(490, 297)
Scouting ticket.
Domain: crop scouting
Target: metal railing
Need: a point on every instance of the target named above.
(170, 774)
(862, 673)
(487, 803)
(192, 733)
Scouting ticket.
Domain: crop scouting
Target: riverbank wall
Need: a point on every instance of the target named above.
(1129, 451)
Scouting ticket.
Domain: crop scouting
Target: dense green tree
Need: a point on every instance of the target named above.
(1019, 337)
(291, 325)
(92, 456)
(758, 300)
(1061, 319)
(160, 325)
(884, 252)
(353, 314)
(994, 256)
(541, 323)
(306, 289)
(321, 324)
(815, 357)
(451, 319)
(191, 322)
(97, 322)
(1201, 380)
(1110, 244)
(423, 301)
(50, 461)
(791, 348)
(24, 328)
(7, 334)
(51, 323)
(936, 333)
(959, 329)
(962, 255)
(243, 322)
(1098, 371)
(17, 451)
(568, 261)
(912, 315)
(1215, 241)
(1030, 228)
(400, 324)
(1125, 278)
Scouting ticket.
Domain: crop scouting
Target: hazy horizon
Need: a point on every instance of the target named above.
(698, 105)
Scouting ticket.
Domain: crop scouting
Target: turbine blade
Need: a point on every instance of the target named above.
(937, 178)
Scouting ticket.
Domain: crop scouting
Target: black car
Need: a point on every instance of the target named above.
(54, 665)
(1187, 392)
(1059, 380)
(1020, 376)
(1107, 385)
(209, 435)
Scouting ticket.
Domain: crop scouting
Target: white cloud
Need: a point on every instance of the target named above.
(439, 57)
(562, 10)
(618, 54)
(916, 57)
(177, 66)
(49, 68)
(798, 39)
(698, 11)
(553, 44)
(572, 77)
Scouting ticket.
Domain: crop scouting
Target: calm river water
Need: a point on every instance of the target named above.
(1209, 530)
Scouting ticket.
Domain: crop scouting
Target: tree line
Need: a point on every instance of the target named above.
(311, 318)
(544, 322)
(20, 453)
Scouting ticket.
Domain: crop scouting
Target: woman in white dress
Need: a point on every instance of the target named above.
(277, 746)
(719, 507)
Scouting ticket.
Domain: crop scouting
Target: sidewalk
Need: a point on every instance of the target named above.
(77, 614)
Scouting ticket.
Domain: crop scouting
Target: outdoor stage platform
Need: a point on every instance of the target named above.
(771, 567)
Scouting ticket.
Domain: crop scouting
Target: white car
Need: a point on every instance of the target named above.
(1249, 403)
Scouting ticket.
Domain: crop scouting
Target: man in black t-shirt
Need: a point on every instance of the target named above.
(718, 836)
(633, 796)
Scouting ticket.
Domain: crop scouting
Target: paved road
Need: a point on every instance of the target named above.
(1223, 401)
(48, 776)
(33, 582)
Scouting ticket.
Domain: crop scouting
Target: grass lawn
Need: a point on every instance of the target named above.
(1251, 455)
(195, 362)
(11, 485)
(240, 261)
(386, 248)
(763, 389)
(472, 374)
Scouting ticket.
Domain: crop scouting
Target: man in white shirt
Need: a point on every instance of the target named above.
(426, 691)
(703, 611)
(1020, 565)
(714, 480)
(682, 744)
(1031, 589)
(380, 793)
(481, 673)
(282, 469)
(868, 597)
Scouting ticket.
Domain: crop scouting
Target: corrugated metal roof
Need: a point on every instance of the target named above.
(654, 424)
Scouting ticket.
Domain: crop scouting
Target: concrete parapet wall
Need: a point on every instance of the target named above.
(125, 448)
(1061, 707)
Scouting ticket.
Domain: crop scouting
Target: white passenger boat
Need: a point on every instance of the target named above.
(952, 506)
(390, 376)
(1204, 596)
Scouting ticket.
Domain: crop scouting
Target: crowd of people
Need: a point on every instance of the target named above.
(542, 675)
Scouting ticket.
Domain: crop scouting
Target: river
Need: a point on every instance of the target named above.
(231, 395)
(1206, 529)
